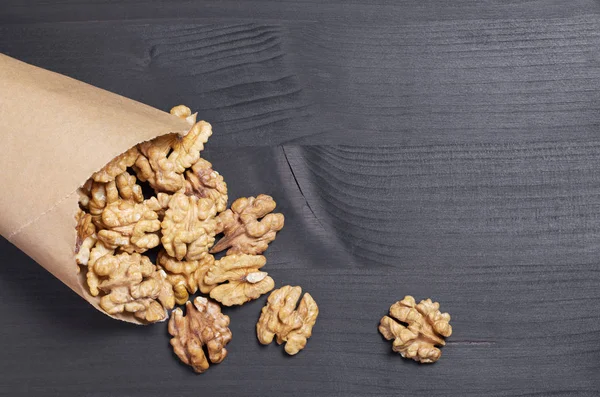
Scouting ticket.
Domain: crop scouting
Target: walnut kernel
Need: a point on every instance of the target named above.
(243, 232)
(427, 327)
(204, 182)
(188, 228)
(185, 276)
(236, 279)
(130, 283)
(116, 166)
(163, 160)
(203, 325)
(280, 319)
(86, 238)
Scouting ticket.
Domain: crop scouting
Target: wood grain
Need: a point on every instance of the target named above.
(374, 12)
(453, 81)
(440, 149)
(236, 75)
(313, 83)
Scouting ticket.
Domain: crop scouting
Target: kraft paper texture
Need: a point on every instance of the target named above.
(55, 132)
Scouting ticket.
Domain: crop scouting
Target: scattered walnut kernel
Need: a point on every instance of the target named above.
(203, 325)
(427, 327)
(243, 232)
(236, 279)
(163, 160)
(278, 318)
(131, 284)
(185, 276)
(188, 228)
(204, 182)
(117, 166)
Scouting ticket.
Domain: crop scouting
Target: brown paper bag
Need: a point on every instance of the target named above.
(54, 133)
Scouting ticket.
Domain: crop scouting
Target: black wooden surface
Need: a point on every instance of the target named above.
(444, 149)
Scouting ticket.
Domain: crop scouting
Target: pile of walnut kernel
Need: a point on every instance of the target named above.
(187, 220)
(117, 225)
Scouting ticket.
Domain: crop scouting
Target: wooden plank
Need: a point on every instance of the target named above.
(503, 236)
(425, 82)
(237, 75)
(440, 149)
(452, 81)
(375, 12)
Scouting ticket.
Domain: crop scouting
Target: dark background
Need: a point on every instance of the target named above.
(444, 149)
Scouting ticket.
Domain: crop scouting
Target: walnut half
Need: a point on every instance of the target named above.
(204, 182)
(185, 276)
(116, 166)
(188, 228)
(236, 279)
(203, 325)
(129, 283)
(132, 227)
(86, 238)
(279, 318)
(163, 160)
(427, 327)
(243, 232)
